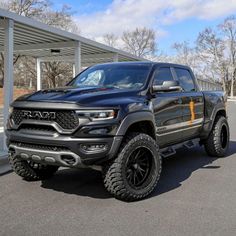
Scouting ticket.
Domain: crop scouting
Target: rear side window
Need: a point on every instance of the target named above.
(185, 79)
(161, 75)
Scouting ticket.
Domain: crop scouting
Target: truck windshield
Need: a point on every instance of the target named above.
(115, 76)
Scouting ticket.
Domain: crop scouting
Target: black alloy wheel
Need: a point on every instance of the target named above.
(138, 167)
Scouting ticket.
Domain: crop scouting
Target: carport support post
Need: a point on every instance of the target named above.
(73, 70)
(38, 69)
(116, 57)
(78, 58)
(8, 71)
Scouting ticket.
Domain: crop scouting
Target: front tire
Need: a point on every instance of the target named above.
(31, 171)
(217, 143)
(134, 174)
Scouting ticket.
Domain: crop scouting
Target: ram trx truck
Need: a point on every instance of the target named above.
(120, 118)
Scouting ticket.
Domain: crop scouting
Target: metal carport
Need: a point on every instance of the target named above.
(24, 36)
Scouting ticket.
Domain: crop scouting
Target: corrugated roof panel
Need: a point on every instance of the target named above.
(28, 32)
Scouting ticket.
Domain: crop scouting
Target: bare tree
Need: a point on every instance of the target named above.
(15, 59)
(210, 48)
(140, 42)
(61, 19)
(228, 28)
(184, 53)
(40, 10)
(188, 56)
(110, 40)
(29, 8)
(57, 74)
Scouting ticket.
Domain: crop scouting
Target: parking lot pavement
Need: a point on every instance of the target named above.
(1, 129)
(1, 140)
(1, 118)
(195, 196)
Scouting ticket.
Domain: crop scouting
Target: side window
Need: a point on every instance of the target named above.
(162, 74)
(185, 79)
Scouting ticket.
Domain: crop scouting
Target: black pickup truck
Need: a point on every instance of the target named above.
(120, 118)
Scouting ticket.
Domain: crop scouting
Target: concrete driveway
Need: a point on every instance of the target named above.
(195, 196)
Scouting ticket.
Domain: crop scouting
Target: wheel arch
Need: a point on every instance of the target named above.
(209, 125)
(136, 122)
(220, 112)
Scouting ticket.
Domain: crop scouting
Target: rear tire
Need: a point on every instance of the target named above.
(217, 143)
(134, 174)
(30, 170)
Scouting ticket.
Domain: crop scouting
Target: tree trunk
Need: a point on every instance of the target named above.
(224, 85)
(232, 83)
(232, 88)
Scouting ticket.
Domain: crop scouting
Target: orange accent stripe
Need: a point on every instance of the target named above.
(192, 110)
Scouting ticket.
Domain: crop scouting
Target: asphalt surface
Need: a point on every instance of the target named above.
(1, 140)
(1, 129)
(196, 195)
(1, 117)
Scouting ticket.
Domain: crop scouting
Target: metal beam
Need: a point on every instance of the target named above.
(83, 57)
(116, 57)
(38, 71)
(78, 58)
(32, 24)
(40, 46)
(73, 70)
(57, 58)
(8, 71)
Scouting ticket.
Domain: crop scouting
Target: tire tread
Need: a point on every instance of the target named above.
(23, 169)
(112, 174)
(212, 144)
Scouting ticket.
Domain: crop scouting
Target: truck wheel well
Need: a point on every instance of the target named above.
(146, 127)
(221, 113)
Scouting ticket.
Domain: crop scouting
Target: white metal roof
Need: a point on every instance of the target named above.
(33, 38)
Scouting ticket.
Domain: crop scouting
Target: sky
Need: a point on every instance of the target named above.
(172, 20)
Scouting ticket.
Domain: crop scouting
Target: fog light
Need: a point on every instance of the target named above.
(93, 147)
(98, 131)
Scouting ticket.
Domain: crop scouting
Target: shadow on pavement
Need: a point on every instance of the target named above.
(180, 167)
(82, 182)
(177, 169)
(5, 172)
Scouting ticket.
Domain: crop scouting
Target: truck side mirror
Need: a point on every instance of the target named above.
(167, 86)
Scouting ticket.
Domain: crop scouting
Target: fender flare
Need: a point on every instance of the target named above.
(209, 124)
(217, 108)
(133, 118)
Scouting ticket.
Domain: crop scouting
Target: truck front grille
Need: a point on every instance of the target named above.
(65, 119)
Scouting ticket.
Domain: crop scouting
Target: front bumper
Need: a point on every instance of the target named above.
(61, 150)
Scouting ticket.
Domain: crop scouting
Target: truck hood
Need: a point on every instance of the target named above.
(89, 96)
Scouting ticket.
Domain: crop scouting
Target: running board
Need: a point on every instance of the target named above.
(171, 150)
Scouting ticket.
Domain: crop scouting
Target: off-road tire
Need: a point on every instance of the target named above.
(31, 171)
(115, 173)
(217, 145)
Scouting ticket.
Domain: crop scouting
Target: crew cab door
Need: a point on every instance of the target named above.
(167, 107)
(192, 103)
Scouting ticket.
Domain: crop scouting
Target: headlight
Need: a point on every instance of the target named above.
(97, 114)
